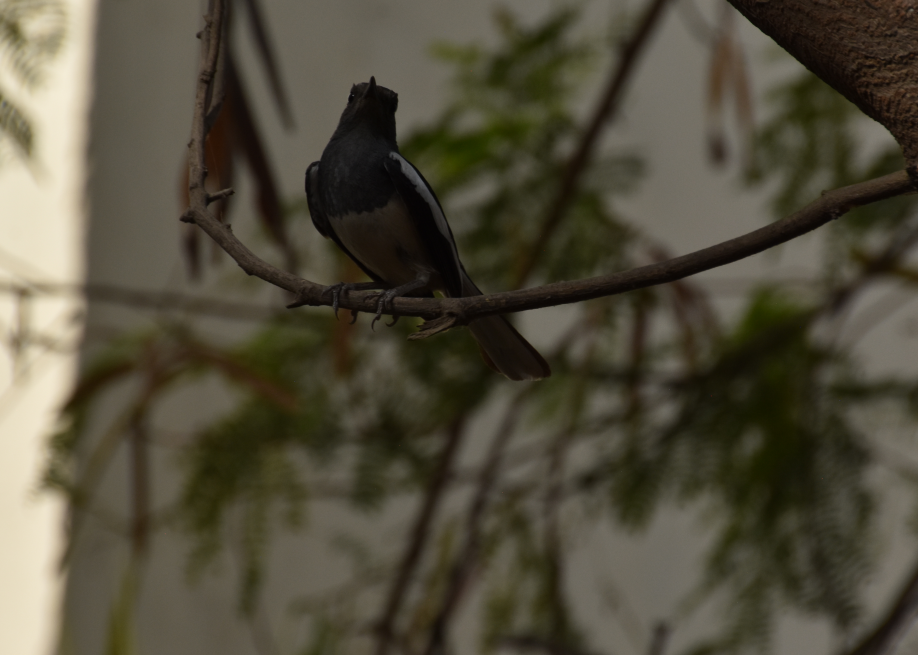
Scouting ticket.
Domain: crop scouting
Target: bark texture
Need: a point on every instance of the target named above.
(867, 50)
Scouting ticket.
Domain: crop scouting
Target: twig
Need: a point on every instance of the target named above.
(460, 311)
(207, 102)
(420, 534)
(146, 299)
(660, 639)
(604, 111)
(219, 195)
(894, 624)
(140, 486)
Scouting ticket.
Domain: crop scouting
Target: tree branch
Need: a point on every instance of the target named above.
(894, 624)
(444, 313)
(459, 311)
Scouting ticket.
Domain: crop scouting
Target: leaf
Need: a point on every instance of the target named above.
(248, 143)
(15, 125)
(265, 49)
(31, 35)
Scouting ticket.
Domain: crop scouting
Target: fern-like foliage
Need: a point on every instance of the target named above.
(32, 33)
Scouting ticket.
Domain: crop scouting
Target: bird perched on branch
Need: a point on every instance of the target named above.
(382, 213)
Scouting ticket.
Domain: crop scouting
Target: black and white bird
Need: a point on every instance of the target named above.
(382, 213)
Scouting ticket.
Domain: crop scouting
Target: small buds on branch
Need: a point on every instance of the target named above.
(219, 195)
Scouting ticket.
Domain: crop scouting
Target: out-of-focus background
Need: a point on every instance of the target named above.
(709, 468)
(42, 230)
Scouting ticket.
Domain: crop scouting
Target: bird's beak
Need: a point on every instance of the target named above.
(371, 89)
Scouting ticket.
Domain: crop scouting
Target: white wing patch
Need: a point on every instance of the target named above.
(424, 191)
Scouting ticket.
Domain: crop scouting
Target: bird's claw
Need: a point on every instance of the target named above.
(336, 295)
(336, 290)
(346, 287)
(384, 306)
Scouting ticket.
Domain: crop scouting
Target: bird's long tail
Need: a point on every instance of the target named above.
(502, 347)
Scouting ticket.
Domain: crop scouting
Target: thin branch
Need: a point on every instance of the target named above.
(420, 534)
(451, 312)
(207, 102)
(140, 486)
(146, 299)
(660, 638)
(894, 624)
(219, 195)
(589, 139)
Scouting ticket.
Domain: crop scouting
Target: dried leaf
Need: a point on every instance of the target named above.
(265, 48)
(248, 142)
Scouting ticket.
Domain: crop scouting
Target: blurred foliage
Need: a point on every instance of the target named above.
(754, 419)
(503, 140)
(31, 35)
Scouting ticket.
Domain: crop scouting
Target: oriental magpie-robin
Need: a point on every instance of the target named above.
(382, 213)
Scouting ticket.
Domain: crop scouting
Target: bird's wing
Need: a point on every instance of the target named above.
(429, 219)
(320, 218)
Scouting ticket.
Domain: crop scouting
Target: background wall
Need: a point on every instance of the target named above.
(42, 224)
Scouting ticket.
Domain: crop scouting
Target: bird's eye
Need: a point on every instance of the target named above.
(350, 99)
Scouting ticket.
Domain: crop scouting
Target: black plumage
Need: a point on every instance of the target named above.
(379, 209)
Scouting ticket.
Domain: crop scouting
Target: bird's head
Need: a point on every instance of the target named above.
(371, 106)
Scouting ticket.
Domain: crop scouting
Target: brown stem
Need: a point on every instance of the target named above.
(420, 534)
(459, 311)
(206, 104)
(894, 624)
(660, 638)
(583, 153)
(140, 487)
(159, 301)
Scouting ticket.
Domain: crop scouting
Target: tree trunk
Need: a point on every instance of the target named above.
(867, 50)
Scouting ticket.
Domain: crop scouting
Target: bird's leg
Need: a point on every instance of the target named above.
(345, 287)
(386, 297)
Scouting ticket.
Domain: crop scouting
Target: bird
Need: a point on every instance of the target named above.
(381, 212)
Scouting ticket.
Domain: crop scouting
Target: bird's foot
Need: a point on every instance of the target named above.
(345, 287)
(384, 306)
(386, 297)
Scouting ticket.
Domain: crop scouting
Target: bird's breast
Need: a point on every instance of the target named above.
(386, 241)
